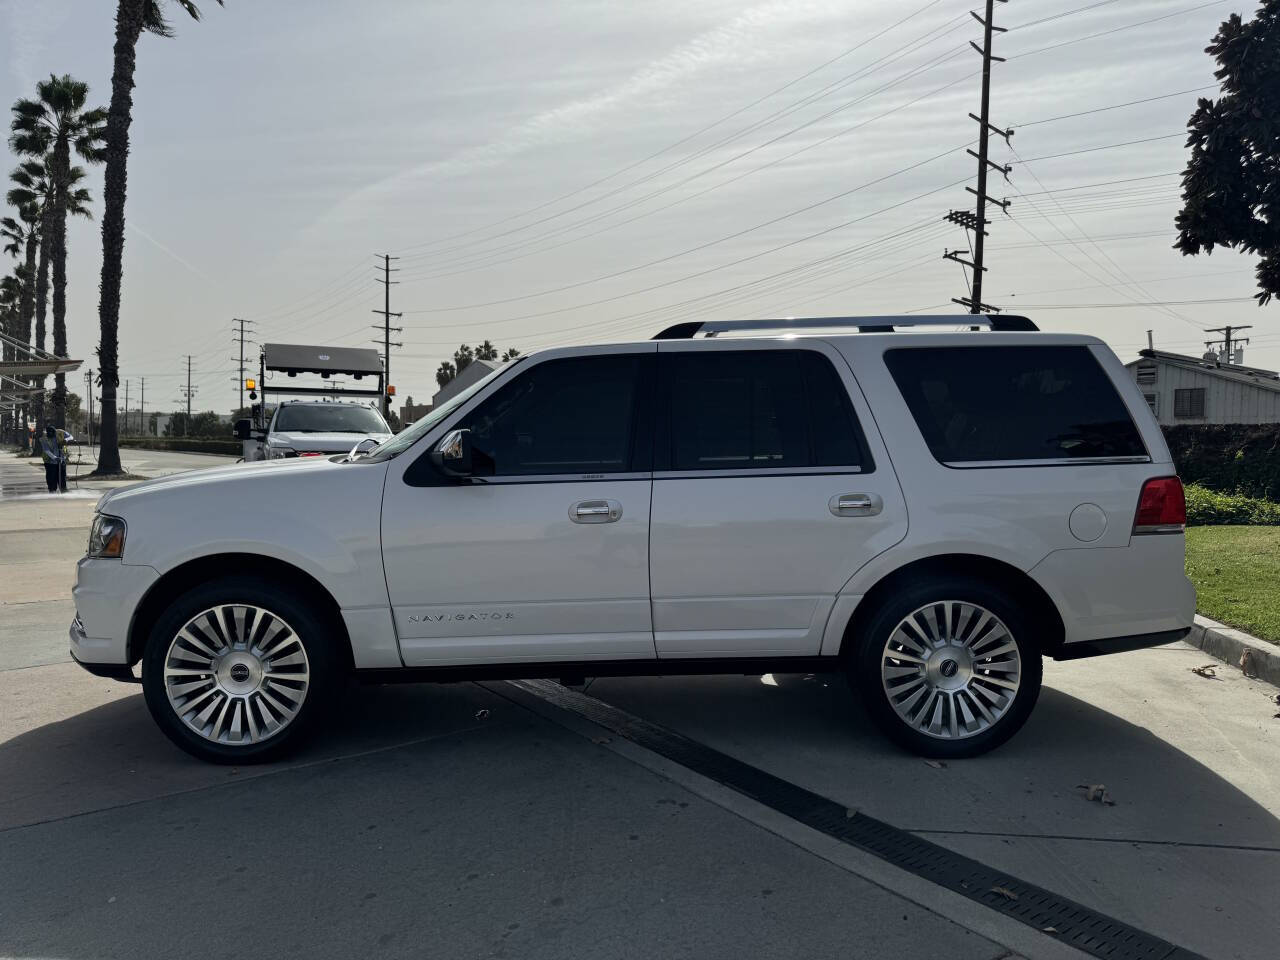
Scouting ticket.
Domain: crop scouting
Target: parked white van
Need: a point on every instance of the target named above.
(924, 505)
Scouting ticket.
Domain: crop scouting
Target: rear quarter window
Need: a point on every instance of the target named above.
(982, 404)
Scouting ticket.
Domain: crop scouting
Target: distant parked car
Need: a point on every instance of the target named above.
(929, 512)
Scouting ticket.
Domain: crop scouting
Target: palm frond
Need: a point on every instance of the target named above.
(20, 197)
(31, 143)
(78, 203)
(154, 21)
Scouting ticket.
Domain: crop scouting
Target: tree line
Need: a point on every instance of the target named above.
(463, 356)
(50, 134)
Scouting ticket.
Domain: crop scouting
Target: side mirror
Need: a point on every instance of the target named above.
(243, 428)
(452, 455)
(362, 448)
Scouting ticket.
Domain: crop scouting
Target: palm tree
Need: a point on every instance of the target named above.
(133, 18)
(22, 237)
(34, 193)
(10, 297)
(57, 123)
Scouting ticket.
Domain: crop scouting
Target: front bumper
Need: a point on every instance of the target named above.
(106, 593)
(112, 671)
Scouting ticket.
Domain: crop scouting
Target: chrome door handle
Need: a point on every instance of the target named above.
(855, 505)
(595, 511)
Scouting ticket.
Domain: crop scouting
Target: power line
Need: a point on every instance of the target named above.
(1144, 303)
(1064, 14)
(1120, 273)
(1109, 237)
(477, 265)
(1170, 279)
(702, 246)
(342, 280)
(516, 246)
(848, 78)
(1116, 106)
(1127, 26)
(736, 113)
(702, 299)
(1106, 146)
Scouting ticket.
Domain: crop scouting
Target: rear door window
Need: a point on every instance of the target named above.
(981, 404)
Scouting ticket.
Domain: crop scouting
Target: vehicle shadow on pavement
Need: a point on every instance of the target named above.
(1182, 853)
(807, 729)
(811, 730)
(402, 758)
(114, 754)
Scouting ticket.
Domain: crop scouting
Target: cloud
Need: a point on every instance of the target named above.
(750, 36)
(30, 27)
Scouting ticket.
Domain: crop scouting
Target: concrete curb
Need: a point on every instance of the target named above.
(1229, 645)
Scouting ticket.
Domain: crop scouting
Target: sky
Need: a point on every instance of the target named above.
(577, 171)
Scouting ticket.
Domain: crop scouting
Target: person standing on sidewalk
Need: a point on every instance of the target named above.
(53, 450)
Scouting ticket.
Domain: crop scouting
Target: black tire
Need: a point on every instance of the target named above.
(307, 625)
(868, 657)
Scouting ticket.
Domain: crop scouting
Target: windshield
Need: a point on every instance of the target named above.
(409, 436)
(328, 418)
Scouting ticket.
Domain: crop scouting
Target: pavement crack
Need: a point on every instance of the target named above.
(1245, 847)
(261, 773)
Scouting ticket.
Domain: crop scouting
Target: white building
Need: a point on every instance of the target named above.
(473, 371)
(1181, 389)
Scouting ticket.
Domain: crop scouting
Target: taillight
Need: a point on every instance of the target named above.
(1162, 507)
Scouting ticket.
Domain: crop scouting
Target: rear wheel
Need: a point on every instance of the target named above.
(948, 668)
(237, 671)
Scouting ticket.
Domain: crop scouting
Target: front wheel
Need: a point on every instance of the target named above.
(947, 668)
(238, 671)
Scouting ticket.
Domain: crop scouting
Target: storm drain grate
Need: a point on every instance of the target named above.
(1067, 921)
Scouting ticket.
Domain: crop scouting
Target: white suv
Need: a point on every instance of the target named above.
(929, 512)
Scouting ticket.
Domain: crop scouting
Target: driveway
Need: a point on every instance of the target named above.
(492, 820)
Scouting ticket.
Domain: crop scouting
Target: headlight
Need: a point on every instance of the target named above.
(106, 538)
(278, 453)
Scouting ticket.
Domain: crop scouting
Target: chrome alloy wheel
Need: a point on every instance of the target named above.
(950, 669)
(236, 674)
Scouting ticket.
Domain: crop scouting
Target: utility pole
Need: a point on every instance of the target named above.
(126, 406)
(142, 411)
(88, 392)
(386, 281)
(977, 221)
(1227, 340)
(189, 391)
(240, 336)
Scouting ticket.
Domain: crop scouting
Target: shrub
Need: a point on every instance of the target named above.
(184, 444)
(1236, 458)
(1207, 508)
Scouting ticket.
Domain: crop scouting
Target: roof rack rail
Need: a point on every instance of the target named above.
(709, 328)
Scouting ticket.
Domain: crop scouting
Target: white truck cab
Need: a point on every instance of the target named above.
(926, 506)
(307, 428)
(332, 416)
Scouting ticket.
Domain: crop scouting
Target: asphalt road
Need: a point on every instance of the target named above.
(462, 820)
